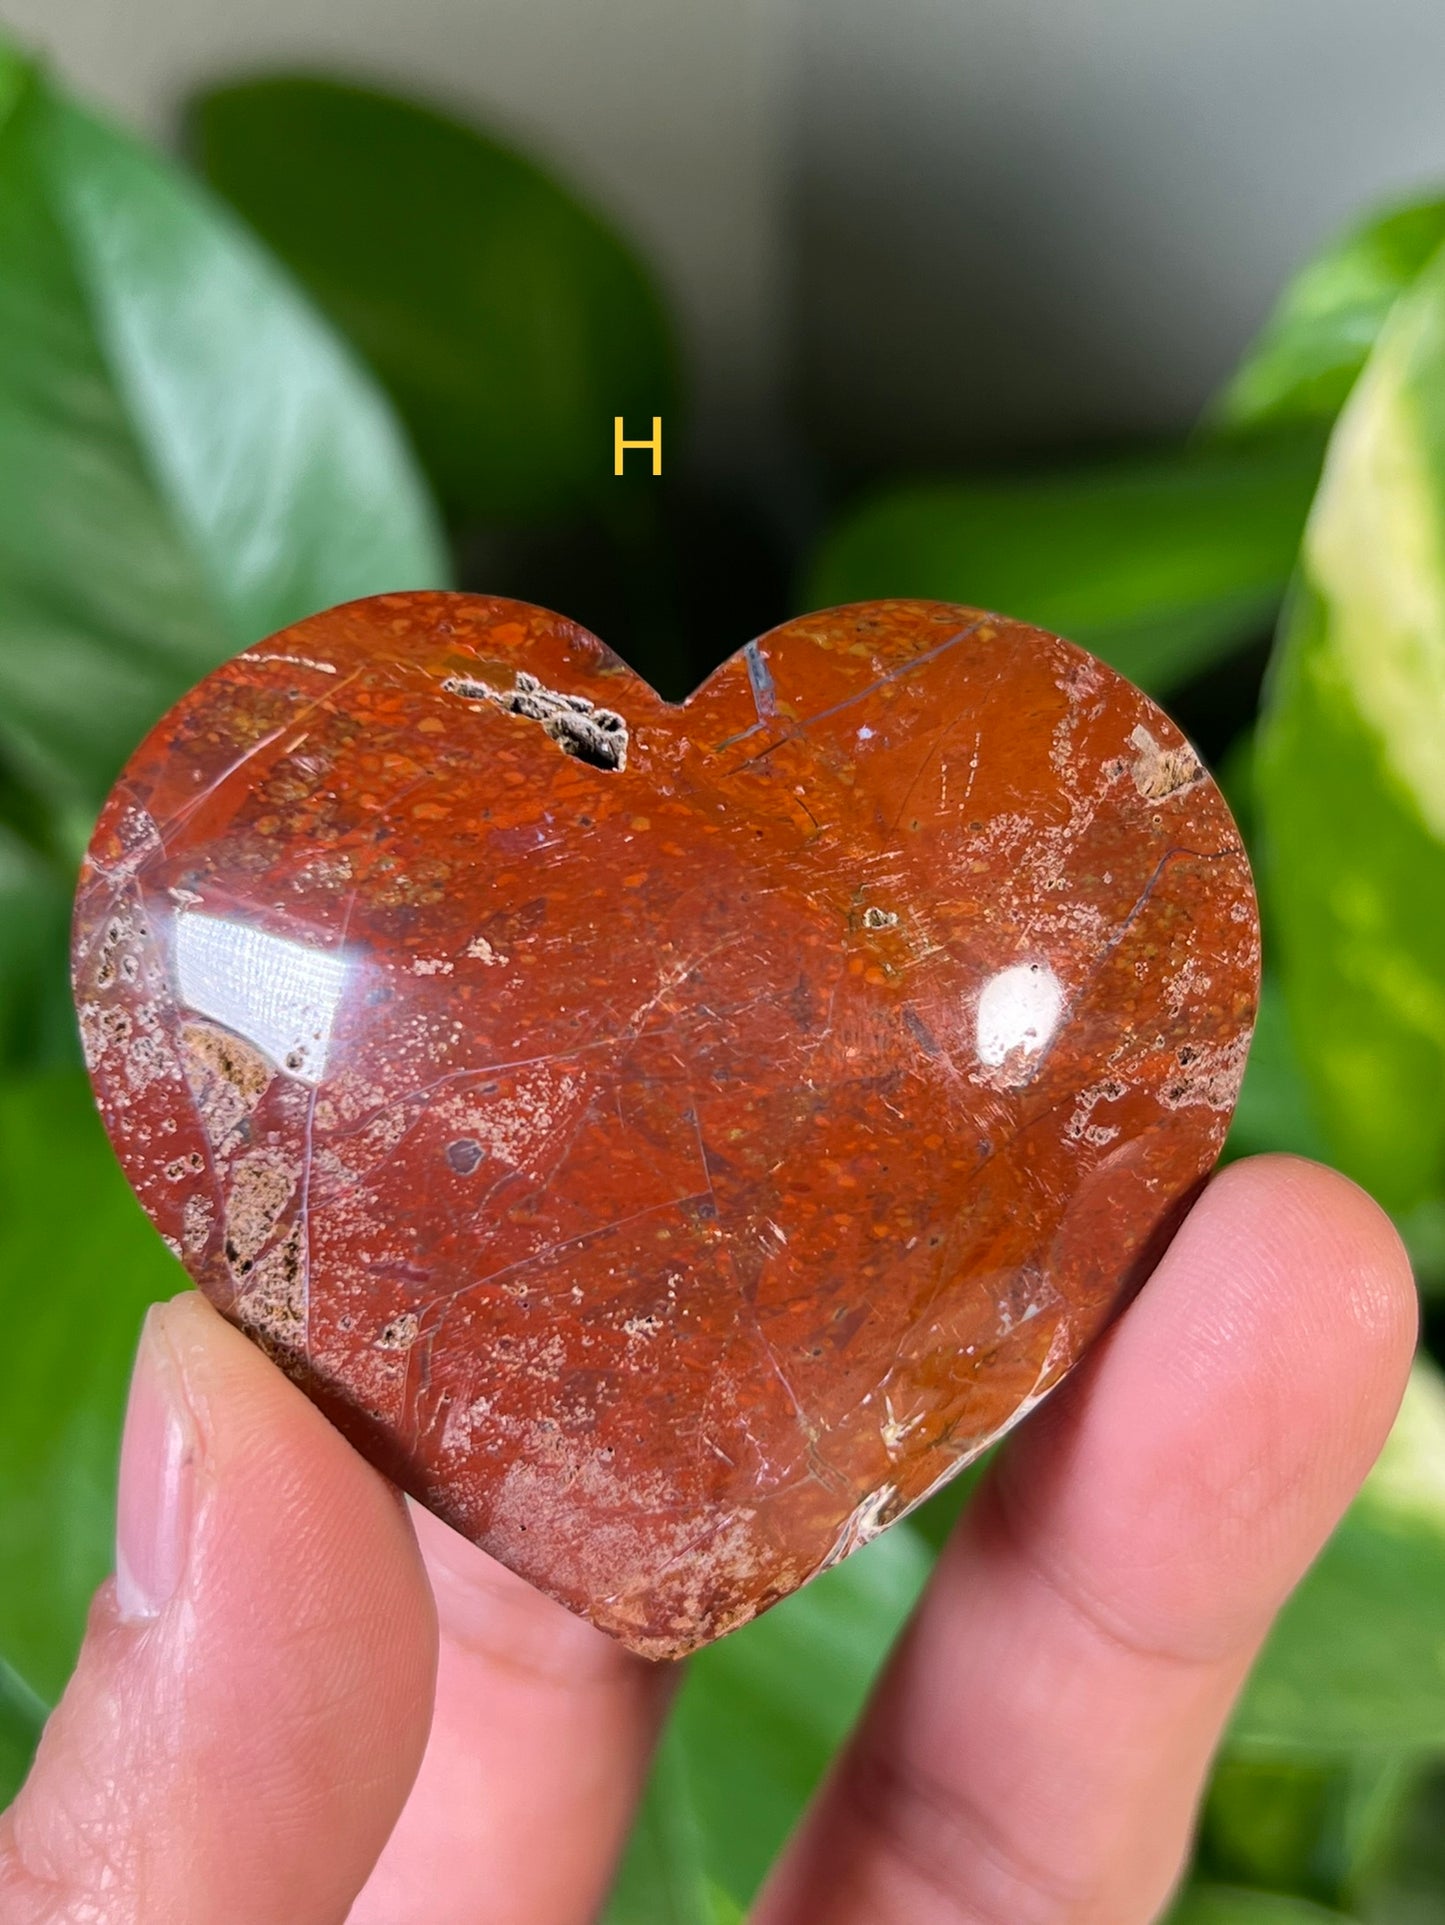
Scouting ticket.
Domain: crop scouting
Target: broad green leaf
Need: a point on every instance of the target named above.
(1357, 1657)
(661, 1880)
(758, 1718)
(37, 1024)
(762, 1712)
(1273, 1112)
(509, 322)
(1312, 348)
(189, 459)
(1160, 565)
(1411, 1887)
(1234, 1905)
(31, 818)
(1423, 1230)
(79, 1262)
(1276, 1112)
(21, 1717)
(1350, 779)
(1234, 772)
(1323, 1830)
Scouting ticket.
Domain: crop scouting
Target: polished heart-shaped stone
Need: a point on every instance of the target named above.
(668, 1139)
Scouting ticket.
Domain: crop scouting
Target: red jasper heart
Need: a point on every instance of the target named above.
(668, 1139)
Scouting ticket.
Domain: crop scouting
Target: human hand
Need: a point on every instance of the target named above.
(288, 1696)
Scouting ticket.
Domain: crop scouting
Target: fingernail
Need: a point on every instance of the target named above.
(156, 1498)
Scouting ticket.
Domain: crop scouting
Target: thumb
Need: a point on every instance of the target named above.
(255, 1686)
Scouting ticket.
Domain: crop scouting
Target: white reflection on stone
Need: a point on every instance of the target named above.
(1019, 1009)
(280, 995)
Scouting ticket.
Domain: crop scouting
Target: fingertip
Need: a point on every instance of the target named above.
(1291, 1204)
(1285, 1275)
(1287, 1303)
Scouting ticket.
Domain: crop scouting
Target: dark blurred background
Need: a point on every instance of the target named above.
(919, 231)
(931, 236)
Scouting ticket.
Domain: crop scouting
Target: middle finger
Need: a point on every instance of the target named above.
(543, 1730)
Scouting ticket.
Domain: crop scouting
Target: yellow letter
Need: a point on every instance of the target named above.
(620, 445)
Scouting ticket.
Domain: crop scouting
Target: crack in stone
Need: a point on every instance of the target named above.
(765, 694)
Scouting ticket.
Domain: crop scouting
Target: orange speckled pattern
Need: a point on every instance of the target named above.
(668, 1139)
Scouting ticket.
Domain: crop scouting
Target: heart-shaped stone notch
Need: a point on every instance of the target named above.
(668, 1139)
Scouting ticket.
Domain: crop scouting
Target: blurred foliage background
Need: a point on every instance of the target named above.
(351, 345)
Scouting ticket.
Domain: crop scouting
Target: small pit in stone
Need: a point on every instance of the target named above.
(1159, 771)
(465, 1154)
(593, 735)
(400, 1333)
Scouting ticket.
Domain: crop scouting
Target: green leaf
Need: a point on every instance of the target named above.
(1350, 779)
(1423, 1231)
(189, 459)
(758, 1718)
(763, 1711)
(509, 322)
(22, 1716)
(32, 819)
(1233, 1905)
(1159, 565)
(1234, 772)
(1274, 1112)
(1324, 1831)
(1312, 348)
(661, 1881)
(1410, 1887)
(1357, 1657)
(79, 1262)
(37, 1023)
